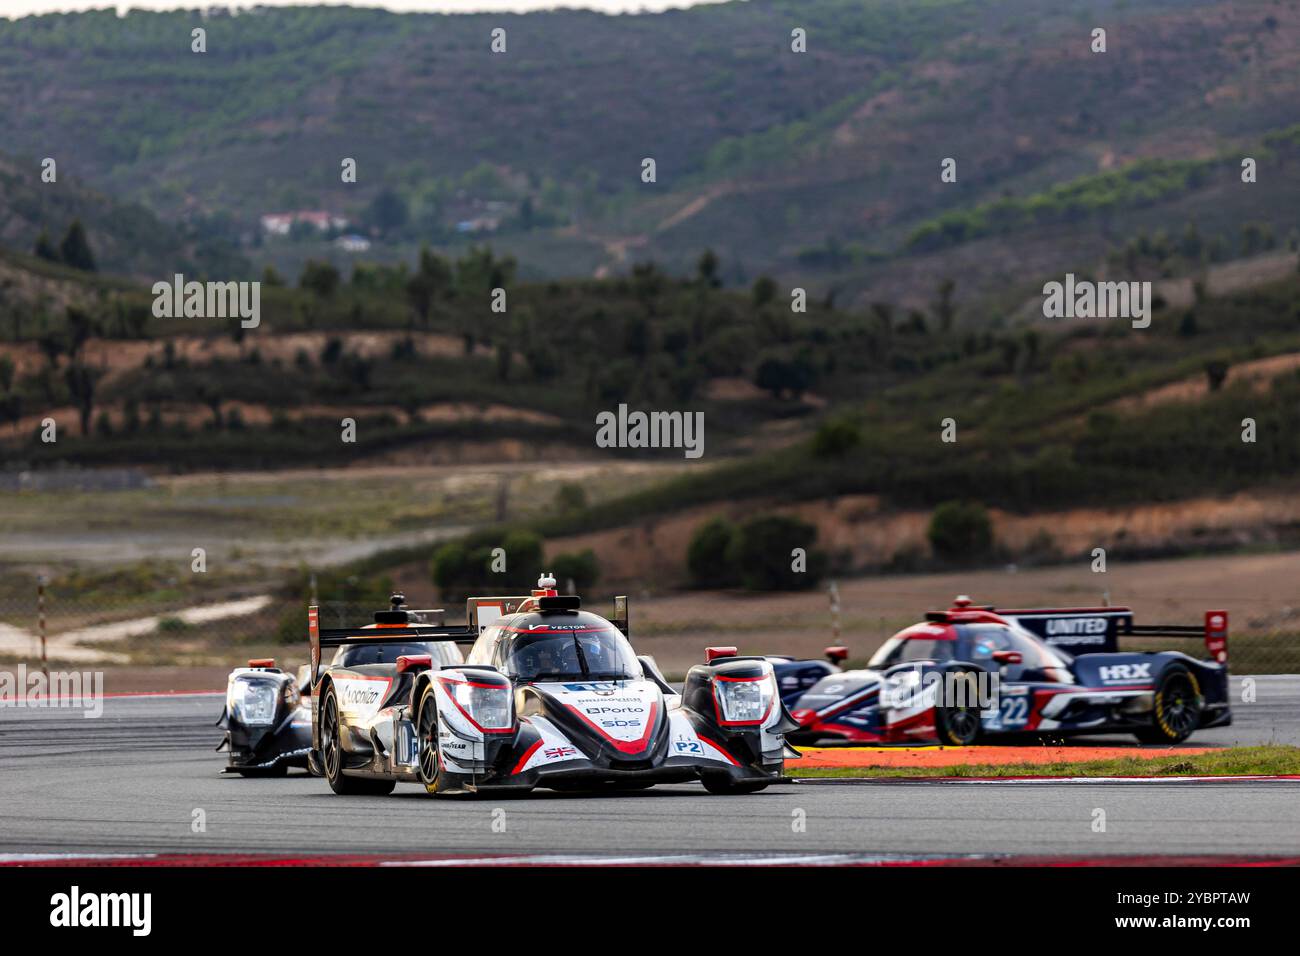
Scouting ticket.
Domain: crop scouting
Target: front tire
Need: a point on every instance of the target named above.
(1176, 711)
(331, 745)
(725, 786)
(959, 726)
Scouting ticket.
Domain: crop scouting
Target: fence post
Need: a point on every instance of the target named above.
(835, 612)
(40, 608)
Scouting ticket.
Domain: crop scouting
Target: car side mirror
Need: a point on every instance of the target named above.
(1008, 657)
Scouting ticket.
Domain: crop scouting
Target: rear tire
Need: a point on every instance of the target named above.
(1176, 710)
(426, 740)
(959, 726)
(726, 787)
(332, 756)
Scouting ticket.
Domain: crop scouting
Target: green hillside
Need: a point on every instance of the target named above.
(124, 237)
(822, 167)
(413, 355)
(1044, 419)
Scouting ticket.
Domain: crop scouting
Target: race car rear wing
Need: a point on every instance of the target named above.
(1091, 630)
(371, 634)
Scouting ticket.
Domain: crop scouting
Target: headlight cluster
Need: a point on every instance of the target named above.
(744, 700)
(486, 705)
(252, 702)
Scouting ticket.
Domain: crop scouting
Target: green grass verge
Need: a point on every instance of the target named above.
(1270, 759)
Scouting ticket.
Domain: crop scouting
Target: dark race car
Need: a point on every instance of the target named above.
(971, 673)
(267, 716)
(267, 724)
(549, 696)
(794, 676)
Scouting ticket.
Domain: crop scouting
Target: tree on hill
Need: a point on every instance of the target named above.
(11, 403)
(707, 268)
(387, 212)
(479, 271)
(944, 309)
(74, 250)
(44, 248)
(782, 377)
(1216, 373)
(80, 380)
(320, 277)
(432, 281)
(81, 326)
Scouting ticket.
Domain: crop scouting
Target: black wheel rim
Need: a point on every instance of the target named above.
(428, 730)
(329, 738)
(962, 724)
(1178, 706)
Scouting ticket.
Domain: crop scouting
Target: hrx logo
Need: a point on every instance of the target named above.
(1125, 672)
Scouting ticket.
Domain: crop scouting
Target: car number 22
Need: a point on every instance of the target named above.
(1013, 712)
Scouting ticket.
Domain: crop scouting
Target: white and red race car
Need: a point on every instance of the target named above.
(548, 696)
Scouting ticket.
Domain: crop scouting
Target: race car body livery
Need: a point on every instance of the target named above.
(548, 696)
(267, 714)
(795, 677)
(971, 673)
(266, 720)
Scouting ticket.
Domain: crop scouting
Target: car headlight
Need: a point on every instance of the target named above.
(744, 700)
(488, 706)
(252, 702)
(292, 695)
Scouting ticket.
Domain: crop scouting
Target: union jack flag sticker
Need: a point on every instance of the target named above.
(554, 753)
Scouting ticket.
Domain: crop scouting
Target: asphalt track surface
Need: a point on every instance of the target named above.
(131, 782)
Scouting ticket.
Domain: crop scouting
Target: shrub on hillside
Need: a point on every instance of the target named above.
(836, 438)
(570, 497)
(960, 530)
(581, 568)
(463, 568)
(762, 555)
(707, 557)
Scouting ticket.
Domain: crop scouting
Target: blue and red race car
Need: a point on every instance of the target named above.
(970, 673)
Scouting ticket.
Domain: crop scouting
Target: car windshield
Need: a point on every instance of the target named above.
(442, 652)
(900, 650)
(986, 639)
(563, 652)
